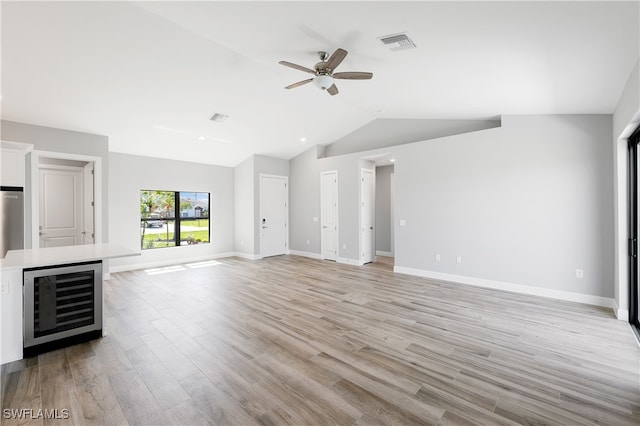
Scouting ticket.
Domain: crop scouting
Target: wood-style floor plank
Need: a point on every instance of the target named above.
(294, 341)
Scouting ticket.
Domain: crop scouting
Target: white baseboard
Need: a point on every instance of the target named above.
(384, 253)
(166, 262)
(621, 314)
(348, 261)
(517, 288)
(306, 254)
(246, 256)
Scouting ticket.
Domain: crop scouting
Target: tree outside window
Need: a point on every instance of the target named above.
(169, 218)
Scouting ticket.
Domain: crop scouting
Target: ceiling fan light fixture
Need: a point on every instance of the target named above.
(323, 81)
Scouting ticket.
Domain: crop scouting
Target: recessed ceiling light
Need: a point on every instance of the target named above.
(201, 138)
(393, 160)
(303, 139)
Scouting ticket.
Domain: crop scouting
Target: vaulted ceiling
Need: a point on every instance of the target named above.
(150, 74)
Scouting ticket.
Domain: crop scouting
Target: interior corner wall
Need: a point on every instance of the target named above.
(526, 204)
(132, 173)
(304, 202)
(383, 208)
(65, 141)
(626, 118)
(244, 208)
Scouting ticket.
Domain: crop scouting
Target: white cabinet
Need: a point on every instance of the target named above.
(10, 314)
(12, 156)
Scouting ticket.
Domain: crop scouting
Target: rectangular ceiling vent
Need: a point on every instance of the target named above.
(397, 42)
(218, 118)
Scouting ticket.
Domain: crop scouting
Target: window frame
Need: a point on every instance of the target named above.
(176, 218)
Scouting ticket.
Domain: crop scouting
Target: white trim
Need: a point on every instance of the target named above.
(20, 146)
(347, 261)
(35, 191)
(621, 314)
(168, 262)
(384, 253)
(517, 288)
(364, 170)
(245, 256)
(306, 254)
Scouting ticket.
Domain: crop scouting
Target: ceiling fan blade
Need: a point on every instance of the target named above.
(300, 83)
(335, 59)
(353, 75)
(297, 67)
(333, 90)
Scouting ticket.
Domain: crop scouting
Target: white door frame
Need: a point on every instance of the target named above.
(35, 191)
(392, 184)
(322, 218)
(286, 182)
(361, 260)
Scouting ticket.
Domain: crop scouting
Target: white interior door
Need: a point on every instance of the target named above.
(273, 215)
(329, 215)
(366, 216)
(61, 192)
(392, 209)
(88, 205)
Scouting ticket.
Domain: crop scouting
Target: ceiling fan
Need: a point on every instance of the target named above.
(324, 72)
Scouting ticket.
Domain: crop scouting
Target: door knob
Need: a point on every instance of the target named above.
(371, 227)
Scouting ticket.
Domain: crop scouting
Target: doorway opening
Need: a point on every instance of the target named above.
(384, 215)
(65, 199)
(634, 211)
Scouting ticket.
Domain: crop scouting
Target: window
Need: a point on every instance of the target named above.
(170, 219)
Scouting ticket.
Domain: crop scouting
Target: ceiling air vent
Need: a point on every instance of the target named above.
(218, 118)
(397, 42)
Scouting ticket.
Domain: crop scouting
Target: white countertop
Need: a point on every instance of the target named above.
(31, 258)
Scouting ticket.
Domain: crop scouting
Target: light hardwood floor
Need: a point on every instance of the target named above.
(290, 340)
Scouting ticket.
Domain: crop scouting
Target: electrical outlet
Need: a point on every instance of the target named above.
(437, 258)
(403, 222)
(459, 259)
(579, 273)
(308, 242)
(344, 246)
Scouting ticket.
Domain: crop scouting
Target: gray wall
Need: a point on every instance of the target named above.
(133, 173)
(67, 141)
(383, 208)
(626, 118)
(244, 207)
(628, 104)
(304, 200)
(528, 203)
(386, 132)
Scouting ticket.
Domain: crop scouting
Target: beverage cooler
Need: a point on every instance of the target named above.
(62, 306)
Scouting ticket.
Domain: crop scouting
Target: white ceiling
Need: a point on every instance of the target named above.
(149, 75)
